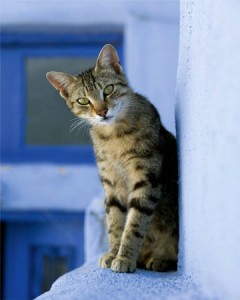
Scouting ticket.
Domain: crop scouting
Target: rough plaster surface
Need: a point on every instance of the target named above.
(208, 114)
(45, 186)
(90, 282)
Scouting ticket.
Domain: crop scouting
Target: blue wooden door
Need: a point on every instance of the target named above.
(38, 248)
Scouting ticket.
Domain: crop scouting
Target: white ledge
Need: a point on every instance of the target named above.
(92, 282)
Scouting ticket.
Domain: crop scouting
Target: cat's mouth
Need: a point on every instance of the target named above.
(106, 120)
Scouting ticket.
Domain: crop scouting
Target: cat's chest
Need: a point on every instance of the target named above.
(112, 147)
(110, 161)
(112, 150)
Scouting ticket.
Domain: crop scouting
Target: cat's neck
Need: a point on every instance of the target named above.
(139, 113)
(117, 128)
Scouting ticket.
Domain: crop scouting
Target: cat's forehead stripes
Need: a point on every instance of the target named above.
(88, 80)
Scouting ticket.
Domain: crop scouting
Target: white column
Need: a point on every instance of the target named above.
(208, 114)
(151, 52)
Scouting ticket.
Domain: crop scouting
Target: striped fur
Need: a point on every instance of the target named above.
(137, 162)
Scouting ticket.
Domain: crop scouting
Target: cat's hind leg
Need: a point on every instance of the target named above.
(159, 252)
(160, 264)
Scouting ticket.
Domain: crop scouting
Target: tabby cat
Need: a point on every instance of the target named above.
(137, 162)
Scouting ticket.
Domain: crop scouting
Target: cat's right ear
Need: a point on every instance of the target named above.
(60, 81)
(108, 58)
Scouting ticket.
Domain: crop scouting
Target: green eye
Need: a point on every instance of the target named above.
(83, 101)
(108, 89)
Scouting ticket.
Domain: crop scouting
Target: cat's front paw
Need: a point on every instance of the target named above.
(106, 260)
(123, 265)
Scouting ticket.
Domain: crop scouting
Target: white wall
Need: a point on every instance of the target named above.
(150, 61)
(64, 12)
(209, 129)
(48, 186)
(83, 12)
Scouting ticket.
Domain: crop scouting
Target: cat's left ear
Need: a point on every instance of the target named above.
(60, 81)
(108, 58)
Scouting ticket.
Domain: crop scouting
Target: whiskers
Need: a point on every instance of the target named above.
(80, 125)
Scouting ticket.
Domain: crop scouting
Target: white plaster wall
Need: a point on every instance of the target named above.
(62, 12)
(48, 186)
(208, 114)
(72, 12)
(151, 59)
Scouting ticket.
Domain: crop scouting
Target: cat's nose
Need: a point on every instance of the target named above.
(102, 113)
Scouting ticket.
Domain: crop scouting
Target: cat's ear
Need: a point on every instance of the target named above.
(108, 58)
(60, 81)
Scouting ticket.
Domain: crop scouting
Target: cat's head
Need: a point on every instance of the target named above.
(97, 94)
